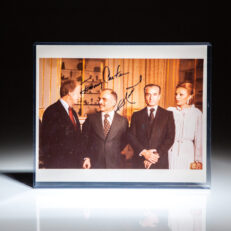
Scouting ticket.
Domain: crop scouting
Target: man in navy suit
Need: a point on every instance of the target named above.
(152, 132)
(61, 134)
(104, 134)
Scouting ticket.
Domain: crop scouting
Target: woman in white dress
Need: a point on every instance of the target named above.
(186, 152)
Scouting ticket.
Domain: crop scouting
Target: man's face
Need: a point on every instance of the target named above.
(75, 95)
(152, 96)
(106, 101)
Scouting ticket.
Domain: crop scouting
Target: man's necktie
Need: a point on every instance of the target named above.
(151, 116)
(106, 125)
(72, 117)
(150, 119)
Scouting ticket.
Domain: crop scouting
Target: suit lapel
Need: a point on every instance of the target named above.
(145, 120)
(63, 112)
(66, 117)
(156, 126)
(114, 126)
(76, 119)
(99, 125)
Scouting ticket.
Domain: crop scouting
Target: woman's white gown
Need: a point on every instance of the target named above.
(187, 146)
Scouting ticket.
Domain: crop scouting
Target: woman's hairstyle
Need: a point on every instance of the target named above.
(189, 87)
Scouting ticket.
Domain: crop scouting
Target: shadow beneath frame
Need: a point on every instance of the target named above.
(25, 178)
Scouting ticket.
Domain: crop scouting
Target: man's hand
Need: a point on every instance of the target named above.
(147, 164)
(87, 163)
(151, 155)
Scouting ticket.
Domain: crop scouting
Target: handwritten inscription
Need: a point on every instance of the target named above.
(106, 78)
(117, 75)
(128, 94)
(91, 86)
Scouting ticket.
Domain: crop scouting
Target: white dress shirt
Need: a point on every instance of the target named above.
(109, 118)
(65, 105)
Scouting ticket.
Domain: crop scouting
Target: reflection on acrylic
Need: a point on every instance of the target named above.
(179, 212)
(100, 209)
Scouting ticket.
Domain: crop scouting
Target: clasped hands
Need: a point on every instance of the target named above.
(87, 163)
(151, 157)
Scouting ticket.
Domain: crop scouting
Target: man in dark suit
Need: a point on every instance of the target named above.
(152, 132)
(104, 134)
(61, 134)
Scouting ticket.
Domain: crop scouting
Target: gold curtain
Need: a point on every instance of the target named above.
(164, 72)
(49, 82)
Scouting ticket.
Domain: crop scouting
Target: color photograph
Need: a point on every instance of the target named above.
(128, 115)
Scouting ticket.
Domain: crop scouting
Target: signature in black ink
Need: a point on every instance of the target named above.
(85, 90)
(86, 80)
(128, 95)
(117, 75)
(109, 77)
(91, 86)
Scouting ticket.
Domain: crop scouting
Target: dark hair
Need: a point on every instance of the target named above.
(152, 85)
(189, 87)
(113, 93)
(67, 86)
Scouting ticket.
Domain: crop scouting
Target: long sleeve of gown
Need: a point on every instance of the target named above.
(198, 138)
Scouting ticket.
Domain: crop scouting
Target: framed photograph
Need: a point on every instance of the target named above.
(122, 115)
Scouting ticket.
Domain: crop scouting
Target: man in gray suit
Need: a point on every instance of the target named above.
(104, 134)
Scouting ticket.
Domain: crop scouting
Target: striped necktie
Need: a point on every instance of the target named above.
(106, 125)
(151, 116)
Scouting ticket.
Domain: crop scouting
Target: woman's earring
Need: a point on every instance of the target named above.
(188, 100)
